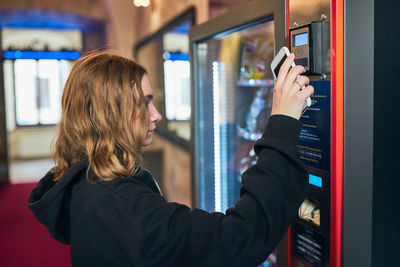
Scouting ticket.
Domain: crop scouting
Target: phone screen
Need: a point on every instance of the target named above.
(277, 68)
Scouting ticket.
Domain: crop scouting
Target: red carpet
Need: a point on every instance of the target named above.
(23, 240)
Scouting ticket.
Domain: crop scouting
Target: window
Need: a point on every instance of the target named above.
(36, 64)
(165, 55)
(177, 89)
(38, 87)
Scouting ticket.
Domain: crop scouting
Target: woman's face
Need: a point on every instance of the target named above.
(155, 116)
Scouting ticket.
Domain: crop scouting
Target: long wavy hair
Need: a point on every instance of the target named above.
(104, 118)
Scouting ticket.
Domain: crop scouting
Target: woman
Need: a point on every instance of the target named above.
(99, 200)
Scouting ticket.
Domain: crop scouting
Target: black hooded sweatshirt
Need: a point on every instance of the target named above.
(126, 222)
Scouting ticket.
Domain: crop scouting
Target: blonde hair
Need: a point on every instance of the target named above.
(104, 118)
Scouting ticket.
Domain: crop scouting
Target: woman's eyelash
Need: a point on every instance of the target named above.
(148, 99)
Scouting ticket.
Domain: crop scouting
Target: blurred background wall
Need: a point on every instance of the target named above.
(31, 85)
(39, 42)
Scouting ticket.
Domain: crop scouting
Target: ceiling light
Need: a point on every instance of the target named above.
(143, 3)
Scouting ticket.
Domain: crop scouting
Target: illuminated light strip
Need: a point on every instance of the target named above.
(223, 141)
(217, 145)
(72, 55)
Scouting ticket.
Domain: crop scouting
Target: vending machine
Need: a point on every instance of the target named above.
(232, 89)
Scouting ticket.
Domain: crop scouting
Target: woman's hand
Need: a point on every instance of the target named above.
(288, 98)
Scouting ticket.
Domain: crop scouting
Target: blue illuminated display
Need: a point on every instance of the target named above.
(315, 180)
(176, 56)
(73, 55)
(301, 39)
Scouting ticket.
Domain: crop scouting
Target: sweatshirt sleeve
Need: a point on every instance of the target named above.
(158, 233)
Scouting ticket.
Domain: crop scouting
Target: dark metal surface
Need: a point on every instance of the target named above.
(386, 184)
(358, 132)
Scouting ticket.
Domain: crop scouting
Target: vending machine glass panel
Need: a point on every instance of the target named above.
(235, 89)
(234, 101)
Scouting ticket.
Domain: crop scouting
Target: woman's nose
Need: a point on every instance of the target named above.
(155, 116)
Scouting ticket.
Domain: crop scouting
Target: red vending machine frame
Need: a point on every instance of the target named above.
(337, 59)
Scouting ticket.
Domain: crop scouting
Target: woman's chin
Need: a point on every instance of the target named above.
(147, 141)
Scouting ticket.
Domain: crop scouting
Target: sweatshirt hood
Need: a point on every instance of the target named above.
(49, 201)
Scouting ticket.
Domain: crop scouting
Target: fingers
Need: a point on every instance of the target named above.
(283, 71)
(302, 81)
(306, 92)
(293, 74)
(291, 89)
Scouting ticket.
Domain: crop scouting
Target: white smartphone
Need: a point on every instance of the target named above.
(276, 65)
